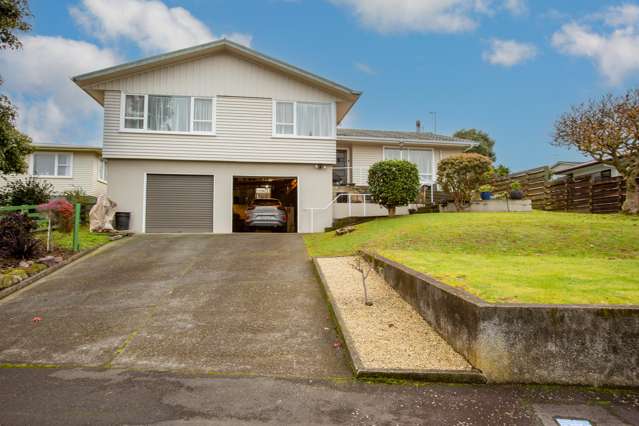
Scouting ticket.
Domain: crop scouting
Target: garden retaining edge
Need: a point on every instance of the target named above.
(526, 343)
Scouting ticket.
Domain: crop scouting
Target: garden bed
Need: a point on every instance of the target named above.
(388, 338)
(16, 271)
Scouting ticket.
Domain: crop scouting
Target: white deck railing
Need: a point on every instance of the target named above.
(349, 201)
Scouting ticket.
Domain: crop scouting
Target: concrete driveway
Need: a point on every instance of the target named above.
(246, 303)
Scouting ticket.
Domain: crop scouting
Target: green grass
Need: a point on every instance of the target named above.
(539, 257)
(87, 239)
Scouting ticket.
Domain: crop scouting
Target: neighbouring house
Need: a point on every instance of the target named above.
(67, 167)
(192, 137)
(595, 169)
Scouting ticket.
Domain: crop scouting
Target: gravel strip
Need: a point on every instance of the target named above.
(390, 334)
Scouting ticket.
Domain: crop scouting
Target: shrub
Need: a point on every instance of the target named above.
(16, 237)
(61, 211)
(26, 191)
(460, 175)
(486, 188)
(393, 183)
(79, 196)
(515, 186)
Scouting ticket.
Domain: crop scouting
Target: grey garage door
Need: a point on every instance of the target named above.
(179, 203)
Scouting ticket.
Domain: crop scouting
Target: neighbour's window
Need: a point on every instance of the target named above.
(169, 113)
(102, 169)
(134, 112)
(304, 119)
(202, 115)
(284, 118)
(157, 113)
(51, 164)
(422, 158)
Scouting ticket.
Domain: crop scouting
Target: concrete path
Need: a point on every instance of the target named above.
(208, 303)
(105, 397)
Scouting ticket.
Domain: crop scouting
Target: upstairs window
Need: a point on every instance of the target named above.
(134, 112)
(169, 114)
(304, 119)
(49, 164)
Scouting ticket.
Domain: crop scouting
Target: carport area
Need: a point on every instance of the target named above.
(246, 303)
(268, 194)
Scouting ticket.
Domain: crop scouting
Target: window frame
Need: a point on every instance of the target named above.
(145, 120)
(55, 165)
(407, 149)
(102, 164)
(333, 135)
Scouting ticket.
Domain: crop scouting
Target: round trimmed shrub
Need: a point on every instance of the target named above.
(461, 175)
(393, 183)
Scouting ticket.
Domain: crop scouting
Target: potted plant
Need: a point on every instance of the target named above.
(486, 192)
(515, 191)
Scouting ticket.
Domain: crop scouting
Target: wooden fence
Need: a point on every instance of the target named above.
(586, 194)
(41, 219)
(533, 183)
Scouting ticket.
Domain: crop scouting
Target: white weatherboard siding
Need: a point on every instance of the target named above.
(243, 134)
(363, 156)
(84, 175)
(221, 74)
(126, 188)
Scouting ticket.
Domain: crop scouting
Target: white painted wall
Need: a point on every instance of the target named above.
(244, 133)
(126, 187)
(84, 175)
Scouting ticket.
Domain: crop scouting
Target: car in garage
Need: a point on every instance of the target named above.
(266, 213)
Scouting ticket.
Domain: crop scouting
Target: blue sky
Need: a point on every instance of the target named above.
(509, 67)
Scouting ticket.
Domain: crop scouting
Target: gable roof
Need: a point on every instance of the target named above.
(366, 135)
(190, 53)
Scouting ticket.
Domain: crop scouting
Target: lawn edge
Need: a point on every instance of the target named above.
(361, 372)
(42, 274)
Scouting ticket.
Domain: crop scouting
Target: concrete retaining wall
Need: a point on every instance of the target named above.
(524, 343)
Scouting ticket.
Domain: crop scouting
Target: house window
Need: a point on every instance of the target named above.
(203, 115)
(134, 112)
(169, 114)
(304, 119)
(284, 118)
(48, 164)
(102, 170)
(606, 174)
(422, 158)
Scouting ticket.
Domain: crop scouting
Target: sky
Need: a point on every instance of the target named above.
(508, 67)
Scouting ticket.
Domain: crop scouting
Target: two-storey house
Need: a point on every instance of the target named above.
(193, 136)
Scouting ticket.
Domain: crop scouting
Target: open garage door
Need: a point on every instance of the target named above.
(264, 204)
(179, 203)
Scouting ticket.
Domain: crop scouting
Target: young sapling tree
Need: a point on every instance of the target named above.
(364, 268)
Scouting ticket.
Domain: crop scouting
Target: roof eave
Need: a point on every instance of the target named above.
(405, 140)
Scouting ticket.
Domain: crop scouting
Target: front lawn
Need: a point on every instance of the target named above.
(539, 257)
(88, 239)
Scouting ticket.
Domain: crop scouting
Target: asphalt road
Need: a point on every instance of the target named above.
(39, 396)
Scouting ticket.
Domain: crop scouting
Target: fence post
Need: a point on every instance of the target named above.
(76, 228)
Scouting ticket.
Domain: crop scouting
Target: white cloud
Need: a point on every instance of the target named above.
(509, 52)
(150, 24)
(447, 16)
(516, 7)
(51, 107)
(614, 50)
(440, 16)
(365, 68)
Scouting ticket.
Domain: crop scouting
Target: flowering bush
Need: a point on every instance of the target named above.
(61, 211)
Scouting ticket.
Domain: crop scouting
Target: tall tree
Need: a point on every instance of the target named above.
(14, 145)
(607, 129)
(486, 143)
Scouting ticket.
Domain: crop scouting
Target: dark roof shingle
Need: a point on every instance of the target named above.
(397, 135)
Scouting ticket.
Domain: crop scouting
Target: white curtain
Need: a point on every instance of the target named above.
(314, 120)
(64, 165)
(284, 118)
(202, 115)
(44, 164)
(169, 113)
(392, 154)
(424, 162)
(134, 112)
